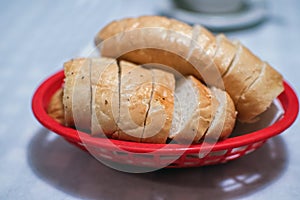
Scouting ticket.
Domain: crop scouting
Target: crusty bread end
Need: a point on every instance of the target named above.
(55, 107)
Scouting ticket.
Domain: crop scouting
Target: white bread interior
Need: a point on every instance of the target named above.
(192, 111)
(224, 116)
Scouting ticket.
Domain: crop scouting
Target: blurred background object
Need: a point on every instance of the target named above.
(211, 6)
(219, 15)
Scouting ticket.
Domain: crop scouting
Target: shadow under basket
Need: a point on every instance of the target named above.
(163, 155)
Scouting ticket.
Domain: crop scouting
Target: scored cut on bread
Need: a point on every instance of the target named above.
(205, 41)
(55, 108)
(105, 96)
(77, 94)
(243, 71)
(218, 53)
(225, 53)
(160, 113)
(224, 116)
(259, 95)
(135, 96)
(201, 51)
(192, 110)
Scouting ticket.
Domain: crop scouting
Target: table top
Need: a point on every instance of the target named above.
(38, 36)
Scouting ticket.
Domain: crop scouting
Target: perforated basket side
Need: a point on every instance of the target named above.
(159, 159)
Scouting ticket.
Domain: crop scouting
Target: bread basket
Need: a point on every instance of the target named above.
(147, 155)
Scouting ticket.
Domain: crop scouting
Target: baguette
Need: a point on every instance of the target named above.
(191, 51)
(148, 39)
(130, 102)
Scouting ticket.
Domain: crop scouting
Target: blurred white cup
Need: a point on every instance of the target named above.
(211, 6)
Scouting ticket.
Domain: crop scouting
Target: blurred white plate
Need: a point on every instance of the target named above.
(253, 12)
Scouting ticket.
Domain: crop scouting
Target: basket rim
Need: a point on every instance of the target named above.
(287, 98)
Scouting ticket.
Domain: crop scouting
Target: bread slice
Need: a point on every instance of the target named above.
(225, 53)
(243, 71)
(160, 113)
(135, 95)
(202, 50)
(224, 116)
(259, 96)
(206, 41)
(192, 111)
(55, 107)
(217, 58)
(105, 96)
(77, 94)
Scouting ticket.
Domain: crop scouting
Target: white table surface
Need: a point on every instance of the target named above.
(36, 37)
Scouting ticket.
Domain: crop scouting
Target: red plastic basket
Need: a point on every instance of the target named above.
(155, 155)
